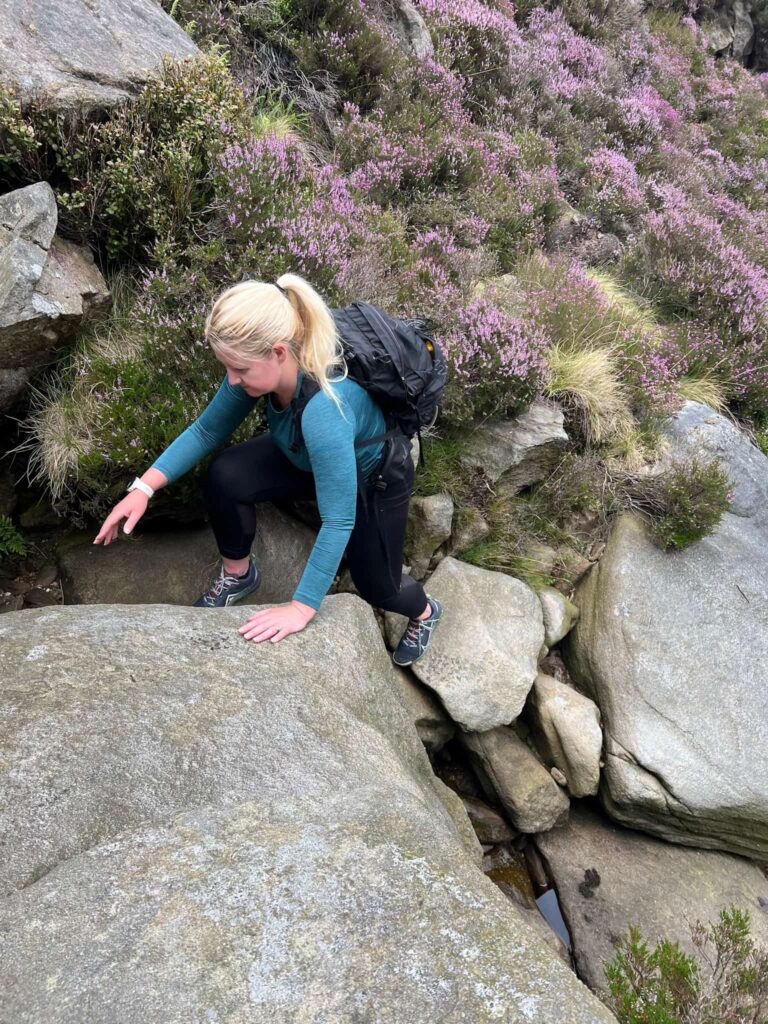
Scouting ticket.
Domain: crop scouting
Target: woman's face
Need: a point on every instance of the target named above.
(255, 376)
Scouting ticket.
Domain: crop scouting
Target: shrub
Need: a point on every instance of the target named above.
(11, 541)
(145, 175)
(612, 187)
(18, 144)
(605, 360)
(578, 487)
(496, 363)
(684, 503)
(726, 979)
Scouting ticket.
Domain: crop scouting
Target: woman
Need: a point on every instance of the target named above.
(268, 337)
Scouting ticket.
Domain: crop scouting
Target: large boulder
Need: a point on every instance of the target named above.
(198, 828)
(77, 55)
(673, 649)
(175, 568)
(609, 878)
(482, 660)
(519, 452)
(48, 286)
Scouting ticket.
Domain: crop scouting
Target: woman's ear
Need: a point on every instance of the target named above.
(280, 349)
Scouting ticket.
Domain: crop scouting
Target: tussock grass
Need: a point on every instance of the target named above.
(60, 429)
(587, 383)
(706, 389)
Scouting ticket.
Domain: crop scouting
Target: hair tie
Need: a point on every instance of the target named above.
(285, 293)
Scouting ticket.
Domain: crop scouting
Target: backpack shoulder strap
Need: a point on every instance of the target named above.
(308, 390)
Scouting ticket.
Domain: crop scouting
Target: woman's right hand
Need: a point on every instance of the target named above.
(132, 508)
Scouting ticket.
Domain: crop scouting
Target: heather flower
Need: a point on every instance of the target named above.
(612, 185)
(496, 362)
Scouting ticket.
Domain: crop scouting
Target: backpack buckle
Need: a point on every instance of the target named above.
(380, 484)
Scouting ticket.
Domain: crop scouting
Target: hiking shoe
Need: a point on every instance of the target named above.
(415, 640)
(227, 590)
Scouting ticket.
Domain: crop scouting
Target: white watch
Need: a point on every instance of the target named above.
(141, 486)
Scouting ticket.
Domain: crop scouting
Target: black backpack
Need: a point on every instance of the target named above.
(397, 361)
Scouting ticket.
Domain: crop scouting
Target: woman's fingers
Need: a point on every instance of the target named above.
(108, 531)
(133, 518)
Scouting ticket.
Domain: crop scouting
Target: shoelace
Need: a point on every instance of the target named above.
(412, 633)
(218, 586)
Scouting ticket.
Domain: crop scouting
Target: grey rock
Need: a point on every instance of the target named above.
(76, 54)
(560, 614)
(566, 728)
(195, 827)
(176, 568)
(743, 30)
(560, 777)
(12, 385)
(609, 878)
(567, 226)
(411, 28)
(470, 529)
(488, 824)
(29, 213)
(48, 286)
(696, 430)
(482, 660)
(519, 452)
(605, 248)
(429, 526)
(540, 558)
(514, 775)
(433, 725)
(729, 29)
(673, 649)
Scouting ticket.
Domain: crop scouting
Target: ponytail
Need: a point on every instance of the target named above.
(249, 318)
(318, 347)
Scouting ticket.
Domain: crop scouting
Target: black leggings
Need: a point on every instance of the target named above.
(256, 470)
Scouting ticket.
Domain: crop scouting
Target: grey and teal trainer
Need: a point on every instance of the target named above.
(226, 590)
(417, 637)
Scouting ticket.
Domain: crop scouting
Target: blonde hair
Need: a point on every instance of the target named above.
(249, 318)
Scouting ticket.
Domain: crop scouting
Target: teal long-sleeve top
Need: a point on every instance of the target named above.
(327, 450)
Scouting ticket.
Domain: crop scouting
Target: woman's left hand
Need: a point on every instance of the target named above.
(275, 623)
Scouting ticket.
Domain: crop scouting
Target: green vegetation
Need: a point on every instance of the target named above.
(683, 504)
(11, 541)
(726, 980)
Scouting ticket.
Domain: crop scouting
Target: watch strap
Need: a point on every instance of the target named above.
(139, 485)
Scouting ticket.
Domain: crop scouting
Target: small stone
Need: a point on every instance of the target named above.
(560, 614)
(47, 575)
(40, 598)
(558, 776)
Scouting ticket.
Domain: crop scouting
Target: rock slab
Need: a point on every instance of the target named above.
(567, 733)
(196, 828)
(155, 568)
(48, 286)
(609, 878)
(77, 54)
(512, 774)
(518, 452)
(673, 649)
